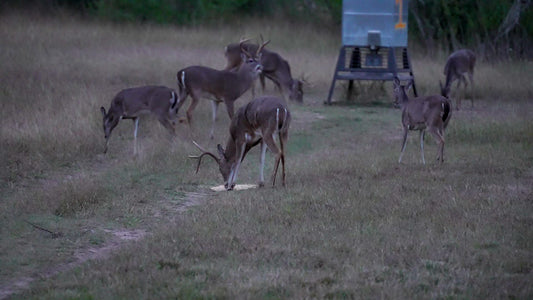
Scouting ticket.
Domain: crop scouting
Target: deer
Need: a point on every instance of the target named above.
(459, 63)
(132, 102)
(423, 113)
(222, 85)
(258, 122)
(275, 68)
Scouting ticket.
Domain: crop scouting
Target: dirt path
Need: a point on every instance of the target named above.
(120, 238)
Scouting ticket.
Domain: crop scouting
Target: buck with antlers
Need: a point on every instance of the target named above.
(275, 68)
(133, 102)
(222, 85)
(459, 63)
(258, 122)
(430, 113)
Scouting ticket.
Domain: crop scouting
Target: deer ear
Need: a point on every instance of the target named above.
(396, 81)
(221, 151)
(409, 86)
(102, 109)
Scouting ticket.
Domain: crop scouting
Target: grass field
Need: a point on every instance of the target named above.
(351, 223)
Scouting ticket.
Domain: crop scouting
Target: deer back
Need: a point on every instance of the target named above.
(263, 116)
(458, 63)
(421, 111)
(275, 67)
(268, 114)
(200, 78)
(428, 110)
(134, 101)
(222, 84)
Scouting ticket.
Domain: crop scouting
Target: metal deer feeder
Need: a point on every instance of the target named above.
(374, 43)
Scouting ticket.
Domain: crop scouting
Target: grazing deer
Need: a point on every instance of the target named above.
(459, 63)
(427, 112)
(258, 122)
(223, 85)
(275, 68)
(131, 103)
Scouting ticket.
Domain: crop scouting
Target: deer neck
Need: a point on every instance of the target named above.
(404, 98)
(449, 78)
(244, 78)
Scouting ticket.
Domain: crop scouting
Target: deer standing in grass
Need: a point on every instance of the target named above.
(430, 113)
(223, 86)
(133, 102)
(275, 68)
(258, 122)
(459, 63)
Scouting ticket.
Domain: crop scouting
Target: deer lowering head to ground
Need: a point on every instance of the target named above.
(133, 102)
(258, 122)
(275, 68)
(221, 85)
(459, 63)
(430, 113)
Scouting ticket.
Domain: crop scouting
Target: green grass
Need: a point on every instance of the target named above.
(351, 223)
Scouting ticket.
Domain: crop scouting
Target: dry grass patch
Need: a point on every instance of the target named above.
(351, 223)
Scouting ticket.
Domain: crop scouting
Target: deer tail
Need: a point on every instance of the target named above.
(446, 112)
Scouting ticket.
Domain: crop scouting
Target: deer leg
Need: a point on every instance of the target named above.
(136, 121)
(262, 164)
(106, 144)
(282, 138)
(168, 125)
(229, 108)
(457, 93)
(440, 141)
(190, 109)
(269, 140)
(235, 168)
(471, 78)
(465, 85)
(404, 143)
(422, 133)
(214, 105)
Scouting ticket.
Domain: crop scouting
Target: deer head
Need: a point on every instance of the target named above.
(444, 90)
(400, 92)
(224, 163)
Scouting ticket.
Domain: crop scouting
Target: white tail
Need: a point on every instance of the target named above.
(223, 86)
(275, 68)
(427, 112)
(131, 103)
(459, 63)
(258, 122)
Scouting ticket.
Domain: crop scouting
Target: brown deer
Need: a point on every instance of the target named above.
(222, 85)
(133, 102)
(459, 63)
(275, 68)
(258, 122)
(430, 113)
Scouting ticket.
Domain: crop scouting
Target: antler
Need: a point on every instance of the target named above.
(263, 44)
(199, 157)
(241, 44)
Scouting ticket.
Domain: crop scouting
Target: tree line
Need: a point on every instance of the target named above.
(502, 28)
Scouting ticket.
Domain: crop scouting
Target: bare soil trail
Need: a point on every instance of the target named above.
(118, 237)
